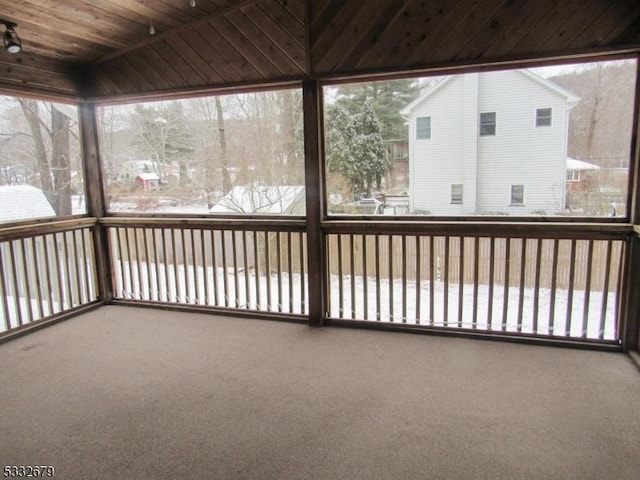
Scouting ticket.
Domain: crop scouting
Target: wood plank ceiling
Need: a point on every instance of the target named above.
(102, 48)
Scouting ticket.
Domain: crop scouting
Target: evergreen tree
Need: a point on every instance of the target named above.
(357, 149)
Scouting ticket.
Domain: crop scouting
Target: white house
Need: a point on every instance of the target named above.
(489, 143)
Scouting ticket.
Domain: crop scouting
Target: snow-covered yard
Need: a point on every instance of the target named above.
(289, 294)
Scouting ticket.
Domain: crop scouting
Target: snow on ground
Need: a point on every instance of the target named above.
(289, 295)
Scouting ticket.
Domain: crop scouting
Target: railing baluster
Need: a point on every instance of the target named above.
(432, 281)
(418, 279)
(59, 271)
(340, 279)
(67, 263)
(156, 247)
(587, 290)
(621, 257)
(390, 253)
(554, 283)
(175, 246)
(290, 270)
(214, 265)
(3, 287)
(365, 279)
(267, 269)
(28, 280)
(225, 282)
(205, 267)
(245, 259)
(256, 270)
(303, 282)
(378, 292)
(352, 274)
(507, 281)
(36, 261)
(605, 290)
(117, 251)
(523, 265)
(445, 305)
(492, 271)
(572, 273)
(47, 259)
(404, 278)
(236, 282)
(138, 256)
(476, 280)
(167, 241)
(185, 265)
(279, 268)
(536, 292)
(16, 288)
(461, 281)
(87, 267)
(148, 276)
(195, 268)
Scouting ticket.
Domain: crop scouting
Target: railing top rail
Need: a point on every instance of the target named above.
(30, 230)
(559, 230)
(282, 225)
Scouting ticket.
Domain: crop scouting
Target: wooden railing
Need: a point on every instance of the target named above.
(255, 266)
(46, 270)
(540, 280)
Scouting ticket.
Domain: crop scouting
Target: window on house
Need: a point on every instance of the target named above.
(487, 123)
(543, 117)
(456, 193)
(423, 128)
(573, 175)
(517, 194)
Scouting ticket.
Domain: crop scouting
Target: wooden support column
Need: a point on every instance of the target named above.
(630, 310)
(94, 190)
(312, 104)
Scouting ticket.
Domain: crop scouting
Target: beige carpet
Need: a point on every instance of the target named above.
(125, 393)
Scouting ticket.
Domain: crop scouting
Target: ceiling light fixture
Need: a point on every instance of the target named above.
(12, 42)
(192, 3)
(152, 31)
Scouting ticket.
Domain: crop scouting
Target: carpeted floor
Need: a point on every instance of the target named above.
(124, 393)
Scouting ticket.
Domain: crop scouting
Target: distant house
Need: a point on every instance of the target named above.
(131, 169)
(148, 181)
(263, 199)
(577, 173)
(490, 142)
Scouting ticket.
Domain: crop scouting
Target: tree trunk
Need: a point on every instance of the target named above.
(30, 109)
(60, 162)
(226, 180)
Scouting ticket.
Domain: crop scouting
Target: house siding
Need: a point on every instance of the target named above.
(518, 154)
(521, 153)
(435, 163)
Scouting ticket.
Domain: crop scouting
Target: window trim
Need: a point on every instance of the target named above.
(573, 176)
(424, 130)
(493, 125)
(453, 198)
(545, 117)
(511, 196)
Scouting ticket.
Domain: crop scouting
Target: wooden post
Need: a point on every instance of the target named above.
(630, 309)
(95, 198)
(312, 104)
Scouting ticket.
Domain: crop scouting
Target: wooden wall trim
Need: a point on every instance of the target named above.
(314, 161)
(95, 198)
